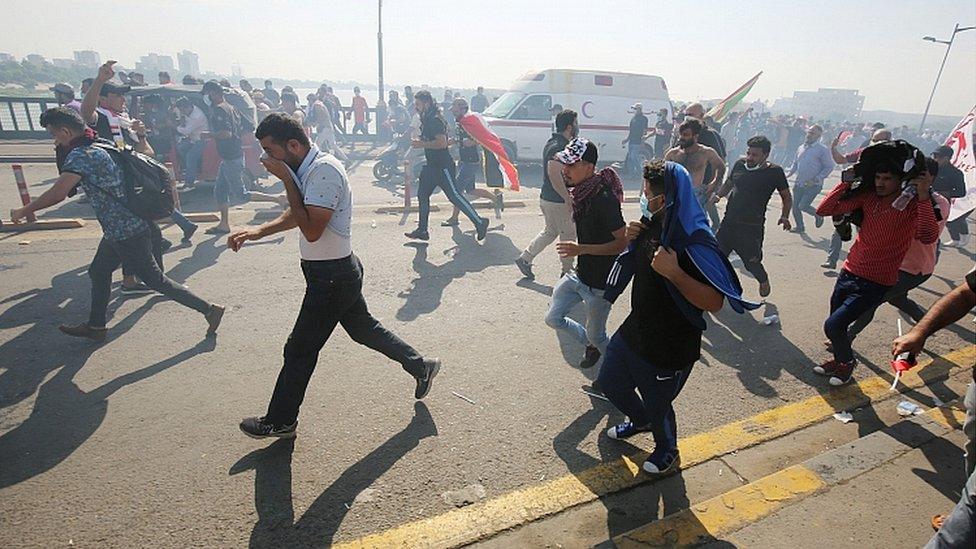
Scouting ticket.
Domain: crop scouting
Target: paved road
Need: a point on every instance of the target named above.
(136, 440)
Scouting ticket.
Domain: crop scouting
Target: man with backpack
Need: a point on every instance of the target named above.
(128, 239)
(226, 127)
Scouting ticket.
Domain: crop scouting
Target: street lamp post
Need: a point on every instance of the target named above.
(948, 44)
(379, 43)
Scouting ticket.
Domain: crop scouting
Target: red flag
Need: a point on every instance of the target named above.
(475, 125)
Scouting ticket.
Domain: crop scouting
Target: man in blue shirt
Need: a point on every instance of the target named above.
(127, 239)
(812, 165)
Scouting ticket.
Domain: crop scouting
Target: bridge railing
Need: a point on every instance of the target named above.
(20, 117)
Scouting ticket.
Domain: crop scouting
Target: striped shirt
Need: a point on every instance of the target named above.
(885, 233)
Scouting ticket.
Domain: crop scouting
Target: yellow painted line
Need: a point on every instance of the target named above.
(742, 506)
(486, 518)
(727, 512)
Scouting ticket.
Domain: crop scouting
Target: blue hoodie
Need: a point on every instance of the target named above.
(686, 229)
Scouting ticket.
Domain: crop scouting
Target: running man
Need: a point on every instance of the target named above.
(469, 162)
(696, 157)
(320, 205)
(439, 170)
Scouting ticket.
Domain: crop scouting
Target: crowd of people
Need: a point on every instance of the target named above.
(675, 257)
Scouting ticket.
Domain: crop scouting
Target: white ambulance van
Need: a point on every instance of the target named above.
(523, 118)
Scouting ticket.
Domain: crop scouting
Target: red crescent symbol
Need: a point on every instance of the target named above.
(583, 108)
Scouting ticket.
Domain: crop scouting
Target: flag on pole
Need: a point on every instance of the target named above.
(724, 107)
(961, 141)
(475, 125)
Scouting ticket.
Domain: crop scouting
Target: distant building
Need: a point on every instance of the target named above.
(189, 62)
(63, 63)
(88, 58)
(823, 104)
(7, 58)
(153, 63)
(35, 59)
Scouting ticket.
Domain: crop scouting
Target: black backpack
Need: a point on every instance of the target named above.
(147, 184)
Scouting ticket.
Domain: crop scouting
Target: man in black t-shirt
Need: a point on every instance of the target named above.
(662, 133)
(439, 170)
(635, 140)
(554, 200)
(951, 184)
(596, 198)
(751, 183)
(225, 129)
(650, 357)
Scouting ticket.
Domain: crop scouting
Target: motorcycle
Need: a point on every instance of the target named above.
(388, 164)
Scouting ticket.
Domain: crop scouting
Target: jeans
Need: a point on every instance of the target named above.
(643, 391)
(958, 227)
(708, 207)
(632, 163)
(142, 256)
(969, 427)
(558, 223)
(182, 222)
(568, 292)
(959, 528)
(897, 296)
(467, 173)
(836, 244)
(191, 155)
(430, 179)
(333, 295)
(229, 186)
(803, 197)
(746, 241)
(853, 296)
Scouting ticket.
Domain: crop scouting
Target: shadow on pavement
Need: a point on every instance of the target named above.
(467, 256)
(272, 467)
(64, 416)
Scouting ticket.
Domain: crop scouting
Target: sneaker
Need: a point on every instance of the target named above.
(827, 368)
(431, 368)
(829, 264)
(843, 374)
(624, 430)
(188, 234)
(137, 289)
(450, 223)
(213, 316)
(818, 220)
(764, 289)
(663, 462)
(482, 229)
(166, 244)
(84, 330)
(590, 357)
(257, 427)
(417, 234)
(525, 267)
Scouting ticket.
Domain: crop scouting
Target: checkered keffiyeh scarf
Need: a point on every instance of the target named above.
(584, 191)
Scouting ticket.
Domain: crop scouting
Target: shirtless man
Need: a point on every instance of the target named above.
(695, 157)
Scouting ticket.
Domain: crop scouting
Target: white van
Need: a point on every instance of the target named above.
(523, 118)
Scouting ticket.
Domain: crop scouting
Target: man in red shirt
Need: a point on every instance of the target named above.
(872, 265)
(360, 111)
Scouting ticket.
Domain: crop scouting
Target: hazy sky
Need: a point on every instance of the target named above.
(702, 48)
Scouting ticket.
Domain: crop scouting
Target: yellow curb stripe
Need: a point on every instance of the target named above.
(483, 519)
(727, 512)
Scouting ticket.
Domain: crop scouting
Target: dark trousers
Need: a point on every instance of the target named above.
(836, 244)
(430, 179)
(746, 241)
(853, 296)
(333, 295)
(643, 391)
(142, 256)
(958, 227)
(897, 296)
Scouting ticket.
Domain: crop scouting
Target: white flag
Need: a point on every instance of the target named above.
(961, 141)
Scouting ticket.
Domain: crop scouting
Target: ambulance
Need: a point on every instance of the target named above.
(523, 117)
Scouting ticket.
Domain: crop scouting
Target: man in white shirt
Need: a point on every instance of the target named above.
(320, 205)
(190, 147)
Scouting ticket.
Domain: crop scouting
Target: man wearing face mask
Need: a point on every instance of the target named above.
(651, 356)
(751, 184)
(595, 199)
(320, 205)
(554, 200)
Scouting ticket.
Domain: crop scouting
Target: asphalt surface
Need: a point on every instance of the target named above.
(136, 440)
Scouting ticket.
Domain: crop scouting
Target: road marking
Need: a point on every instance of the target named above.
(484, 519)
(727, 512)
(748, 504)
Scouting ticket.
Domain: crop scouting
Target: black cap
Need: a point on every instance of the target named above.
(944, 150)
(112, 87)
(212, 85)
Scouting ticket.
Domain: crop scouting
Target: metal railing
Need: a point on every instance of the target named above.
(20, 117)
